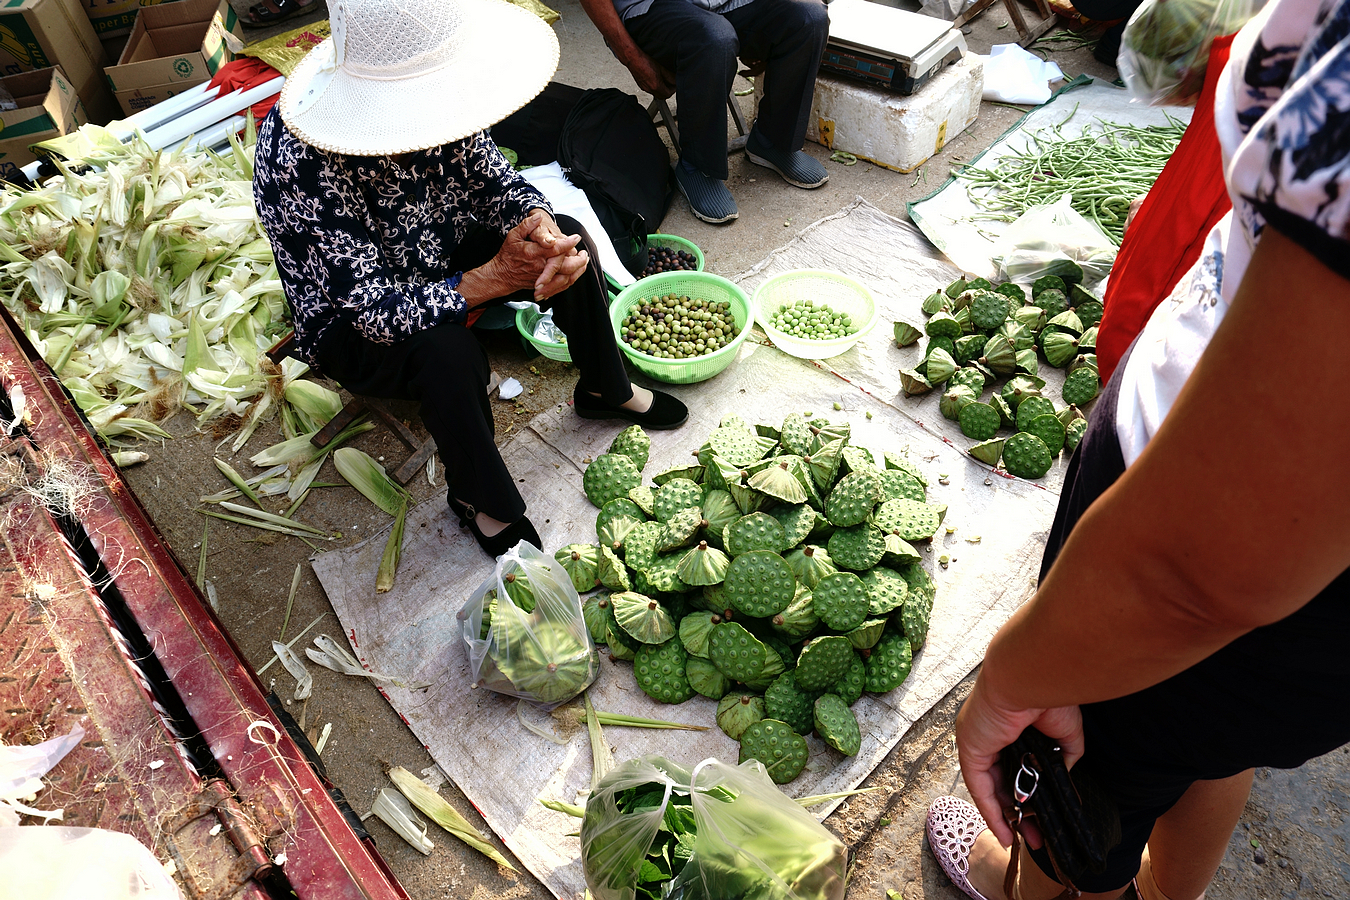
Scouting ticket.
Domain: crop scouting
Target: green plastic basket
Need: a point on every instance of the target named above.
(674, 242)
(840, 292)
(702, 286)
(526, 319)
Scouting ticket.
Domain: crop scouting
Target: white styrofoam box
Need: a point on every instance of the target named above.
(893, 130)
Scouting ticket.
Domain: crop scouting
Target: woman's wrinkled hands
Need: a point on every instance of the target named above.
(534, 256)
(984, 726)
(565, 265)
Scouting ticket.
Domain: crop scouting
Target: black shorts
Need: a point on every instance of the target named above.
(1277, 696)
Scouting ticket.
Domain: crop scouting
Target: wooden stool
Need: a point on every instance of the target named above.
(1026, 36)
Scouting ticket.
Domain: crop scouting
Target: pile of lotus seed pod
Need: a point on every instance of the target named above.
(979, 333)
(777, 575)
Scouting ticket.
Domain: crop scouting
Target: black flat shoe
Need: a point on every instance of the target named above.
(521, 529)
(665, 412)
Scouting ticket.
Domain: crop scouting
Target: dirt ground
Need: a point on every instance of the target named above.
(1292, 841)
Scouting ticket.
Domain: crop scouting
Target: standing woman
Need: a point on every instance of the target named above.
(1191, 620)
(394, 219)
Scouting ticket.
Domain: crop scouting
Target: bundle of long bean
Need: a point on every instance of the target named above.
(1105, 168)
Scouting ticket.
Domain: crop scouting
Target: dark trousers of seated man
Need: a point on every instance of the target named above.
(701, 48)
(446, 370)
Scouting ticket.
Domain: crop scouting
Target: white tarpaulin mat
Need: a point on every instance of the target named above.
(952, 222)
(411, 631)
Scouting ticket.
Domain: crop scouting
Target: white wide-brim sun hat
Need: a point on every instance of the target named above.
(404, 75)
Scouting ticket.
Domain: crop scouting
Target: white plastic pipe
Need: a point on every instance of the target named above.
(216, 136)
(206, 116)
(154, 116)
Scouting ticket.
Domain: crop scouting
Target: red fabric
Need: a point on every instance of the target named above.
(1167, 234)
(247, 72)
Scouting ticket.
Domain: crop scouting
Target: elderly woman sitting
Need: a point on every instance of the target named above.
(395, 219)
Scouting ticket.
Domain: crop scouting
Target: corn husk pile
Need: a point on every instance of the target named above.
(146, 283)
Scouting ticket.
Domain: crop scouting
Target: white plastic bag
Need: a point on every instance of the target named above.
(1044, 234)
(58, 863)
(21, 769)
(1165, 48)
(1012, 75)
(524, 631)
(750, 840)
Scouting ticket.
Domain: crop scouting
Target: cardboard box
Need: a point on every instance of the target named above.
(48, 108)
(114, 17)
(173, 47)
(38, 34)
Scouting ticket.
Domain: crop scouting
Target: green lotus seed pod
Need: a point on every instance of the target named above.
(689, 473)
(594, 614)
(1047, 282)
(935, 303)
(737, 712)
(581, 562)
(913, 383)
(759, 583)
(941, 365)
(999, 355)
(1059, 348)
(797, 521)
(988, 310)
(836, 724)
(1048, 429)
(1013, 292)
(1026, 456)
(809, 564)
(840, 601)
(1089, 339)
(1030, 317)
(979, 421)
(889, 663)
(611, 475)
(1068, 321)
(1032, 407)
(909, 519)
(943, 324)
(955, 289)
(906, 334)
(988, 452)
(1090, 312)
(612, 572)
(737, 653)
(703, 565)
(823, 661)
(660, 671)
(799, 619)
(642, 618)
(695, 630)
(704, 678)
(858, 548)
(1073, 433)
(866, 635)
(955, 399)
(782, 751)
(633, 443)
(786, 702)
(1080, 386)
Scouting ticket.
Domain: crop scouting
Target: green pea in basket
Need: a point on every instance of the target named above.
(839, 292)
(700, 286)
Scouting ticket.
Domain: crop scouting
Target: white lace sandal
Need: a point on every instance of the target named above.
(953, 825)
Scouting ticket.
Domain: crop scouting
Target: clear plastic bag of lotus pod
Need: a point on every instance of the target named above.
(524, 631)
(749, 838)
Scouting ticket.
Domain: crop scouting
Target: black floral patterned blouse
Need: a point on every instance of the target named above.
(365, 240)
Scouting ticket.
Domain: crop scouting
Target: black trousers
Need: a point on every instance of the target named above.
(701, 47)
(446, 370)
(1277, 696)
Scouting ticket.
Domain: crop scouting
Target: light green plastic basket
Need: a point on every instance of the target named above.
(699, 285)
(839, 292)
(674, 242)
(526, 319)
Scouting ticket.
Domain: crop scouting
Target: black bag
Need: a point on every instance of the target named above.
(1078, 823)
(533, 130)
(612, 151)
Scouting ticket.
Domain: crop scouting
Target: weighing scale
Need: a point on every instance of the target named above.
(888, 48)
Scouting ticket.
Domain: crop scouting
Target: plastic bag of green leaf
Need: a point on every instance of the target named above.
(524, 631)
(654, 830)
(1165, 48)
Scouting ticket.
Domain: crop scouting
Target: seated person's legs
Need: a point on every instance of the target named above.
(788, 37)
(446, 370)
(603, 389)
(700, 47)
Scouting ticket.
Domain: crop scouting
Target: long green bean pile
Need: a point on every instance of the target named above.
(1105, 168)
